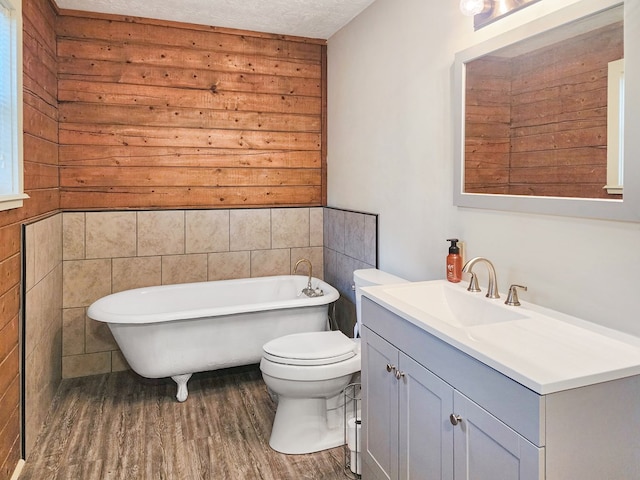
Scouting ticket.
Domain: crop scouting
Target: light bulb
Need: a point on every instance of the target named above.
(471, 7)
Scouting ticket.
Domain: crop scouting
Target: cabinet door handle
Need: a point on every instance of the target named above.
(390, 368)
(399, 374)
(455, 419)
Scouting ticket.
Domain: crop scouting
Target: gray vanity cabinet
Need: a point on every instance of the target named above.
(408, 431)
(404, 410)
(417, 386)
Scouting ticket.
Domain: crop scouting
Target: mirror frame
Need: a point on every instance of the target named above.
(627, 209)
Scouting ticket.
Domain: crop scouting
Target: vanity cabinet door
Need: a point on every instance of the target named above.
(426, 433)
(405, 416)
(487, 449)
(379, 408)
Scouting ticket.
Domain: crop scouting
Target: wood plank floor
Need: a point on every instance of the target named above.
(120, 426)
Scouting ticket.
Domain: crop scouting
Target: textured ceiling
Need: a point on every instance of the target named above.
(305, 18)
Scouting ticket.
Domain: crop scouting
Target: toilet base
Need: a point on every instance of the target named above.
(302, 425)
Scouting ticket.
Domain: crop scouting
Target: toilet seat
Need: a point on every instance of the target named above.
(310, 348)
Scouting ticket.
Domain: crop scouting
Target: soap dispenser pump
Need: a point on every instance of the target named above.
(454, 261)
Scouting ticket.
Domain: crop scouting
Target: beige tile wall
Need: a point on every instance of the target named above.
(42, 320)
(107, 252)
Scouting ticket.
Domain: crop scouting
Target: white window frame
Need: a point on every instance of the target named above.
(615, 127)
(14, 196)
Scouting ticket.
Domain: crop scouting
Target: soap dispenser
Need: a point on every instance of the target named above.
(454, 261)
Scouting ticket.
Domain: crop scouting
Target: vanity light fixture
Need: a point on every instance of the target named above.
(471, 7)
(487, 11)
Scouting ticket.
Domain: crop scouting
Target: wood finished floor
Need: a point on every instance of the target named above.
(120, 426)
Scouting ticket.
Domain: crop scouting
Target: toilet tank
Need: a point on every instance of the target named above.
(364, 278)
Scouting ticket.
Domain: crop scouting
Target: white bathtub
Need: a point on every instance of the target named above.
(177, 330)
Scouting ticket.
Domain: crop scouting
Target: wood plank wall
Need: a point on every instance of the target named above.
(158, 114)
(41, 183)
(558, 119)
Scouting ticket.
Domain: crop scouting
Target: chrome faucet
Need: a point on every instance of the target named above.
(492, 288)
(309, 290)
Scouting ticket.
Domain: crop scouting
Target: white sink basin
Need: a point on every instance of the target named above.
(453, 304)
(543, 349)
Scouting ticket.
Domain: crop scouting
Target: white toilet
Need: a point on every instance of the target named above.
(308, 372)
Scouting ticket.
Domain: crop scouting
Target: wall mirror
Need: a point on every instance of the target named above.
(545, 115)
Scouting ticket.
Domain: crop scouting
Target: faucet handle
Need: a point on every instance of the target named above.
(512, 298)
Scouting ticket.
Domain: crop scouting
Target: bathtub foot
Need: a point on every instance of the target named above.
(182, 380)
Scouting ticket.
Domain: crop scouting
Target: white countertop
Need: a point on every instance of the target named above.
(546, 351)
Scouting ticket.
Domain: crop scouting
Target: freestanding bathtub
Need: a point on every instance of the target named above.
(177, 330)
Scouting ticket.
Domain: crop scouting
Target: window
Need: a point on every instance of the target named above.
(11, 183)
(615, 127)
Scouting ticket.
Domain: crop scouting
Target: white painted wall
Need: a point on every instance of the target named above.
(391, 152)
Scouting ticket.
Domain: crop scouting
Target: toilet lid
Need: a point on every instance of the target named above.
(311, 348)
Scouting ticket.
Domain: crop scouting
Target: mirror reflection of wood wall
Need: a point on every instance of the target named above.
(536, 123)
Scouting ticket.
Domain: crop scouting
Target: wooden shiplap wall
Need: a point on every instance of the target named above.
(41, 183)
(556, 101)
(157, 114)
